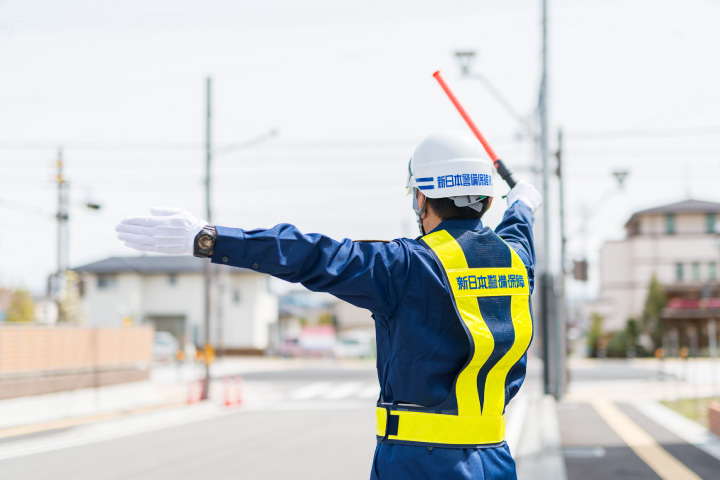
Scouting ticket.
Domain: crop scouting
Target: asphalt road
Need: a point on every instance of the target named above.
(316, 424)
(605, 435)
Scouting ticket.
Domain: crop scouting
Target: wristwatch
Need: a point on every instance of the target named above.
(204, 243)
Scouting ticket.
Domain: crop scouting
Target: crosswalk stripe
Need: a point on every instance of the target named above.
(342, 390)
(370, 391)
(310, 391)
(336, 391)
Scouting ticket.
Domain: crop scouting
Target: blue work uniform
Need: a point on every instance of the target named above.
(422, 345)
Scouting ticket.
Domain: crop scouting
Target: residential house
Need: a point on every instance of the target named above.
(678, 244)
(168, 292)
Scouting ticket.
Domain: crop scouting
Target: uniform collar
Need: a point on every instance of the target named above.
(470, 224)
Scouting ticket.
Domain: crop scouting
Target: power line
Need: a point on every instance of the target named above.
(645, 133)
(25, 208)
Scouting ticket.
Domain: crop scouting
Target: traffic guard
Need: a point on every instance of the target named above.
(452, 308)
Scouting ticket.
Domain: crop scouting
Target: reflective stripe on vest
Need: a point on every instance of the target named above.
(472, 424)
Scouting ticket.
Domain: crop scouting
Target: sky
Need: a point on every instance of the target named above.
(120, 86)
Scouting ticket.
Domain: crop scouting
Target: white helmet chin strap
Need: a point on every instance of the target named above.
(419, 211)
(472, 201)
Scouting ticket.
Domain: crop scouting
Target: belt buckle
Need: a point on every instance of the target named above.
(387, 407)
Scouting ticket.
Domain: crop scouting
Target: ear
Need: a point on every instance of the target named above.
(420, 199)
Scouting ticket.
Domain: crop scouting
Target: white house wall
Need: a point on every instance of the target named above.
(108, 307)
(183, 298)
(245, 323)
(685, 223)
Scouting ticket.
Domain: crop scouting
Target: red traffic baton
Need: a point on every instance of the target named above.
(504, 172)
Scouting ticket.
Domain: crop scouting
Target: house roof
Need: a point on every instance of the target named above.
(686, 206)
(145, 265)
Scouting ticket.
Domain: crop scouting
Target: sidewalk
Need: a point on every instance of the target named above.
(168, 387)
(533, 432)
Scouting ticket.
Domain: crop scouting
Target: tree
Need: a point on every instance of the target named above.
(595, 333)
(69, 304)
(633, 336)
(21, 307)
(652, 312)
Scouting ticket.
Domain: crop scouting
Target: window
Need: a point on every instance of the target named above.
(670, 224)
(679, 272)
(106, 282)
(710, 222)
(712, 271)
(696, 272)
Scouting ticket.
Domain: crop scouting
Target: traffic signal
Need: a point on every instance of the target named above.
(580, 270)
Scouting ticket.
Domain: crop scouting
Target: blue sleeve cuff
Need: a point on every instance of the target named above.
(230, 248)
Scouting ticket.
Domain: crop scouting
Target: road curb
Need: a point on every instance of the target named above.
(539, 452)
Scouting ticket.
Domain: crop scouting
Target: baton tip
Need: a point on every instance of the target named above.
(437, 72)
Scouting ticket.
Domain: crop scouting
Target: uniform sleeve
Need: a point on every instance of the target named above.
(515, 378)
(516, 229)
(369, 275)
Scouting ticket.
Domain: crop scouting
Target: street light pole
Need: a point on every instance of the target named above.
(552, 322)
(208, 217)
(62, 234)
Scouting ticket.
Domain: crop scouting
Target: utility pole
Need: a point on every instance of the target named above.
(561, 304)
(561, 199)
(208, 217)
(62, 233)
(550, 353)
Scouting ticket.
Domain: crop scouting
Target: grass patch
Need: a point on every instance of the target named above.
(696, 409)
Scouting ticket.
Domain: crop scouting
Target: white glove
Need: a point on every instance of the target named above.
(168, 230)
(525, 193)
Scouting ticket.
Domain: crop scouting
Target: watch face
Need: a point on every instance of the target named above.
(205, 242)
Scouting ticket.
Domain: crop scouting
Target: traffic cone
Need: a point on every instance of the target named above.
(238, 389)
(194, 392)
(228, 392)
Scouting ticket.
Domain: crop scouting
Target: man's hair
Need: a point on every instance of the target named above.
(446, 209)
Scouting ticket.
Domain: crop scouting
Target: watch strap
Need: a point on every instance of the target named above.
(204, 243)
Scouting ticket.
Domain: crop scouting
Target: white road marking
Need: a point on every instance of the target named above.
(646, 447)
(110, 430)
(310, 391)
(342, 390)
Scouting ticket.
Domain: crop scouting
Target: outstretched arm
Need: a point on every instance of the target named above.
(370, 275)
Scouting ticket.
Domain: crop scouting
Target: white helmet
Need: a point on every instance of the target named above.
(451, 164)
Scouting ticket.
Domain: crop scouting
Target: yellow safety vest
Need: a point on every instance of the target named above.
(472, 424)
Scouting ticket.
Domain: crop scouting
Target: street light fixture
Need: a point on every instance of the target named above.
(465, 59)
(620, 177)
